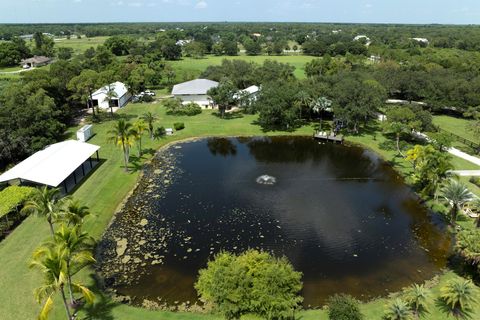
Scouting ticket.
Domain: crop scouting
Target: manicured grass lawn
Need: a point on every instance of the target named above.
(460, 127)
(10, 69)
(105, 190)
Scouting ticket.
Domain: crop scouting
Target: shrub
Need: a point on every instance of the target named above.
(475, 181)
(191, 109)
(343, 307)
(11, 201)
(11, 198)
(147, 98)
(253, 282)
(159, 132)
(179, 126)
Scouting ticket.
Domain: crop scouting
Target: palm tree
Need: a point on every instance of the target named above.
(139, 126)
(476, 205)
(123, 135)
(456, 194)
(416, 297)
(149, 118)
(74, 212)
(77, 251)
(109, 96)
(303, 98)
(398, 310)
(45, 202)
(54, 269)
(458, 297)
(319, 106)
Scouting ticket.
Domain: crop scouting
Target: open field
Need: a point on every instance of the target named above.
(189, 66)
(105, 190)
(80, 45)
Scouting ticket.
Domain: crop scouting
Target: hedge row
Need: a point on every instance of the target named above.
(13, 197)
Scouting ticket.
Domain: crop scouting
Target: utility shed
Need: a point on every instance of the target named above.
(64, 163)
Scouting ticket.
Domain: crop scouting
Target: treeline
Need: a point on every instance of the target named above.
(388, 35)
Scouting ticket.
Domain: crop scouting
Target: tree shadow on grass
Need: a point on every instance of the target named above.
(456, 313)
(229, 115)
(102, 306)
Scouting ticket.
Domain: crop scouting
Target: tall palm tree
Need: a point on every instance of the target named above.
(398, 310)
(458, 297)
(123, 135)
(456, 194)
(139, 126)
(476, 205)
(54, 269)
(74, 212)
(45, 202)
(319, 105)
(77, 252)
(416, 298)
(109, 96)
(304, 99)
(149, 118)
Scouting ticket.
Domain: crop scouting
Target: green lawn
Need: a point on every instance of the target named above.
(193, 67)
(458, 126)
(105, 190)
(80, 45)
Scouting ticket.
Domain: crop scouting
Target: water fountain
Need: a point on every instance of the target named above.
(266, 180)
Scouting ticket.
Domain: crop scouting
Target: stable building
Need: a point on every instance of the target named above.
(119, 100)
(195, 91)
(62, 164)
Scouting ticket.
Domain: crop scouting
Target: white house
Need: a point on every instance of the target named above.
(421, 40)
(250, 92)
(122, 96)
(194, 91)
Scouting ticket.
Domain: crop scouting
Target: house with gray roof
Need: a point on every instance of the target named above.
(195, 91)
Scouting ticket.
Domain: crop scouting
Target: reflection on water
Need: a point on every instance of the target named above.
(342, 217)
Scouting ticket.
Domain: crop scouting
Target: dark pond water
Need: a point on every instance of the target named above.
(341, 216)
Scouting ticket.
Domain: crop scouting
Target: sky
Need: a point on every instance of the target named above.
(355, 11)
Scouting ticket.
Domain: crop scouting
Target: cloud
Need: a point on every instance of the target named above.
(201, 4)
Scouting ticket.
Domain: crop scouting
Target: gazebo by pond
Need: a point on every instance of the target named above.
(61, 164)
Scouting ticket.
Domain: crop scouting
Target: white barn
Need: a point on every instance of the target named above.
(121, 99)
(195, 91)
(61, 164)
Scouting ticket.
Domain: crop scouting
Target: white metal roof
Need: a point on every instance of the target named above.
(53, 164)
(198, 86)
(249, 91)
(119, 88)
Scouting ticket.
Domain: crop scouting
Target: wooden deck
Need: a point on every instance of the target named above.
(328, 137)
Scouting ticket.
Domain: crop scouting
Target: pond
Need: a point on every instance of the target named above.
(340, 214)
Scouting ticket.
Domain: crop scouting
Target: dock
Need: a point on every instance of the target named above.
(328, 136)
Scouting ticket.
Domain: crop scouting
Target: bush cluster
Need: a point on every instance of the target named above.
(179, 126)
(253, 282)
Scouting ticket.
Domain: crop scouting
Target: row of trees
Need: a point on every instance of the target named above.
(64, 255)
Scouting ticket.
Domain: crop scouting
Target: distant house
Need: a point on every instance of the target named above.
(36, 61)
(421, 40)
(183, 42)
(194, 91)
(256, 35)
(250, 92)
(374, 59)
(361, 37)
(246, 96)
(122, 96)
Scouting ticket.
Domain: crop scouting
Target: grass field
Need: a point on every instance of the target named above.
(80, 45)
(105, 190)
(460, 127)
(189, 66)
